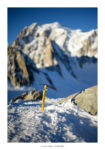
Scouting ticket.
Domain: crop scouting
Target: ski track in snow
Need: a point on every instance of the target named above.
(58, 123)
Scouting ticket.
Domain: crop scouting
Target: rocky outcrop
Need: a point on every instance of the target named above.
(17, 69)
(85, 59)
(86, 99)
(45, 57)
(89, 48)
(25, 36)
(41, 52)
(31, 95)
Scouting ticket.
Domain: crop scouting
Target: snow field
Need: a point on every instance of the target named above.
(58, 123)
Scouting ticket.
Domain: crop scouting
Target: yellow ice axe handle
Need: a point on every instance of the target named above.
(43, 98)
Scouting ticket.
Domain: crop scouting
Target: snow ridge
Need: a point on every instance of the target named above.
(70, 41)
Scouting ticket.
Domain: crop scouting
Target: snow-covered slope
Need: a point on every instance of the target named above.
(58, 123)
(36, 42)
(58, 56)
(62, 80)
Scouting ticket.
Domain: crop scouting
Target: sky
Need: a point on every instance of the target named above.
(74, 18)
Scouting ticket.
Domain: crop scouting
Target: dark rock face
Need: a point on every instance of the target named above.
(17, 69)
(31, 95)
(87, 100)
(85, 59)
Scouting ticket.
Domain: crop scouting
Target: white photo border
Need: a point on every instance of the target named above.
(4, 4)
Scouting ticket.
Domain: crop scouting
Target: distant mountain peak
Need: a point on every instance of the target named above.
(55, 55)
(35, 41)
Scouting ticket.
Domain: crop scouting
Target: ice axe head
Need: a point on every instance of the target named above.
(49, 86)
(45, 87)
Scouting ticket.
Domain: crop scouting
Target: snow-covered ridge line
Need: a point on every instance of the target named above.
(75, 42)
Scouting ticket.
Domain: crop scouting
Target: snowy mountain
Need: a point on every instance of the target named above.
(66, 60)
(36, 42)
(58, 56)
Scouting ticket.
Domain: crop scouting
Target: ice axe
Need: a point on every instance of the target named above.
(43, 97)
(44, 91)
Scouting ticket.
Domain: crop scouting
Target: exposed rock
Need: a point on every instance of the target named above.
(25, 36)
(85, 59)
(17, 70)
(86, 99)
(45, 57)
(31, 95)
(89, 48)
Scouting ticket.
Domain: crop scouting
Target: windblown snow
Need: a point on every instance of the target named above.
(64, 122)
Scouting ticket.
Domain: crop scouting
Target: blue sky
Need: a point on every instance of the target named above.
(74, 18)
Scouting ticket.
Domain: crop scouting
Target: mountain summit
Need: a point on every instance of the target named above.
(61, 57)
(36, 41)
